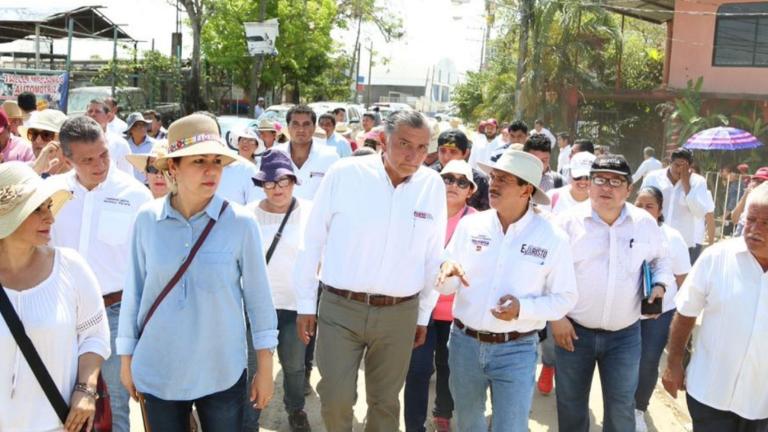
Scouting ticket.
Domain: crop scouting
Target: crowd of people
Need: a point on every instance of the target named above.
(175, 267)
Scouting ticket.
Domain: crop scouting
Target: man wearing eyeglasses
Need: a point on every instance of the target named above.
(453, 144)
(613, 239)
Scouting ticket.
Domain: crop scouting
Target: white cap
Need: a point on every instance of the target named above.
(581, 164)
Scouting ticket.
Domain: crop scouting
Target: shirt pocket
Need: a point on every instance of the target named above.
(215, 271)
(632, 261)
(114, 226)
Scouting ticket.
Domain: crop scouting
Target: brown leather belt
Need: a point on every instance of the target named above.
(369, 299)
(112, 298)
(489, 337)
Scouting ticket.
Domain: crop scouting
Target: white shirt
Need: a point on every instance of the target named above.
(546, 132)
(64, 317)
(564, 160)
(681, 211)
(727, 371)
(648, 165)
(117, 126)
(321, 157)
(680, 260)
(608, 264)
(236, 184)
(373, 237)
(99, 224)
(479, 144)
(280, 267)
(493, 262)
(700, 233)
(562, 200)
(118, 149)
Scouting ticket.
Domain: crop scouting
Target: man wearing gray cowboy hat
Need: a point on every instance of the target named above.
(98, 223)
(496, 346)
(138, 139)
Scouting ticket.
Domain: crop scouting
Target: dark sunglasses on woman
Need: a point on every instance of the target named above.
(462, 182)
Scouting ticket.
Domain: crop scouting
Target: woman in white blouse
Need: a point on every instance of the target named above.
(655, 331)
(57, 298)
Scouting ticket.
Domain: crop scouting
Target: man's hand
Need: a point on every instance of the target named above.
(449, 269)
(564, 334)
(305, 327)
(673, 378)
(507, 309)
(421, 336)
(657, 293)
(685, 177)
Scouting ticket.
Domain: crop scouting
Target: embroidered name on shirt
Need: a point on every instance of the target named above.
(480, 241)
(316, 174)
(422, 215)
(534, 251)
(117, 201)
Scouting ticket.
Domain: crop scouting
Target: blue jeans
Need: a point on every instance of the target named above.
(416, 395)
(290, 352)
(654, 338)
(110, 370)
(218, 412)
(617, 354)
(548, 349)
(509, 368)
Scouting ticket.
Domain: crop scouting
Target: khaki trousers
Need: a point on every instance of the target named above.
(349, 331)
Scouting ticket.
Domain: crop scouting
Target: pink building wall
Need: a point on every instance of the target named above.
(692, 49)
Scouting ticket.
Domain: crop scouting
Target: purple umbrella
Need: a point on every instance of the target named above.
(722, 138)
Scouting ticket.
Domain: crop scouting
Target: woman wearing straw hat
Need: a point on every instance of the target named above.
(280, 212)
(145, 163)
(57, 299)
(182, 328)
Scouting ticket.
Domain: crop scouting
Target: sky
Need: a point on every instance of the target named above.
(434, 29)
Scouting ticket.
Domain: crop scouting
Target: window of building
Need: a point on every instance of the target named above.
(741, 35)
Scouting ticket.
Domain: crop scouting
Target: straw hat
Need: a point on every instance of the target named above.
(139, 160)
(22, 191)
(460, 167)
(12, 109)
(193, 135)
(267, 125)
(522, 165)
(47, 120)
(342, 128)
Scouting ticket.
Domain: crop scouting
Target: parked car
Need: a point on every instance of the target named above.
(130, 99)
(276, 113)
(387, 108)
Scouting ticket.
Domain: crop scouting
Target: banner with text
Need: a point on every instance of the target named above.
(52, 87)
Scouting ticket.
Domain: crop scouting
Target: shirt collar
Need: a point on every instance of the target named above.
(517, 226)
(588, 213)
(76, 185)
(212, 209)
(383, 171)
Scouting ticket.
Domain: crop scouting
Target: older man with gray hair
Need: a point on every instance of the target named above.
(650, 163)
(727, 379)
(378, 223)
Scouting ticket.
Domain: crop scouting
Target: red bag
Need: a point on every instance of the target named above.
(102, 422)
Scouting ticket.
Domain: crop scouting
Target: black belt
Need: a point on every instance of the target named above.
(488, 337)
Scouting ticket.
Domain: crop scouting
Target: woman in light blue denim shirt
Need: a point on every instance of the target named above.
(193, 350)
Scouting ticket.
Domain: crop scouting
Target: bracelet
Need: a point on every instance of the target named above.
(88, 391)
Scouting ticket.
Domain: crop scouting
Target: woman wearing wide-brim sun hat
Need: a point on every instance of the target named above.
(247, 142)
(182, 328)
(56, 297)
(145, 163)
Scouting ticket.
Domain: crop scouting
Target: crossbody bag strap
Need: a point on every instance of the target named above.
(279, 232)
(33, 358)
(184, 266)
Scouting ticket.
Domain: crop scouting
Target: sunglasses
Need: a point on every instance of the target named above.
(613, 182)
(581, 178)
(32, 134)
(283, 183)
(462, 183)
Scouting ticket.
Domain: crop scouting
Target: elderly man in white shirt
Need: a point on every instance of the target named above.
(497, 314)
(726, 379)
(310, 160)
(98, 223)
(538, 128)
(686, 198)
(650, 163)
(614, 240)
(378, 223)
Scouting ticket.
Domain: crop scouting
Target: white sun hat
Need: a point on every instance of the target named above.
(522, 165)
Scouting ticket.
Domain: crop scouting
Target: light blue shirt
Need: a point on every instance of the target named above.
(144, 148)
(342, 146)
(195, 343)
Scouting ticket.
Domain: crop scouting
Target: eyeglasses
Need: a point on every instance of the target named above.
(283, 183)
(151, 169)
(613, 182)
(32, 134)
(462, 182)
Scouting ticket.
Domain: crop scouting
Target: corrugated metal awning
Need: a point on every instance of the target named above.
(19, 23)
(655, 11)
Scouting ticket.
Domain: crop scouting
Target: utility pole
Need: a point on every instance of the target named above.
(526, 8)
(489, 19)
(370, 67)
(258, 63)
(357, 72)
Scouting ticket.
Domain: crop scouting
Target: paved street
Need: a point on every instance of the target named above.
(666, 414)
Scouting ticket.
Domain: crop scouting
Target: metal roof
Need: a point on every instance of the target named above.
(655, 11)
(19, 23)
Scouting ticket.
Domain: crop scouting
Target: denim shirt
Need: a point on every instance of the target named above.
(195, 343)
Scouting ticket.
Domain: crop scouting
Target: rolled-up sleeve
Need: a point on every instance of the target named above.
(692, 297)
(256, 289)
(128, 326)
(561, 292)
(92, 326)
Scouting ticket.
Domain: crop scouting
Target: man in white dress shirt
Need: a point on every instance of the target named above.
(118, 146)
(538, 128)
(310, 160)
(650, 163)
(727, 377)
(612, 239)
(564, 155)
(686, 198)
(497, 314)
(115, 124)
(378, 223)
(98, 223)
